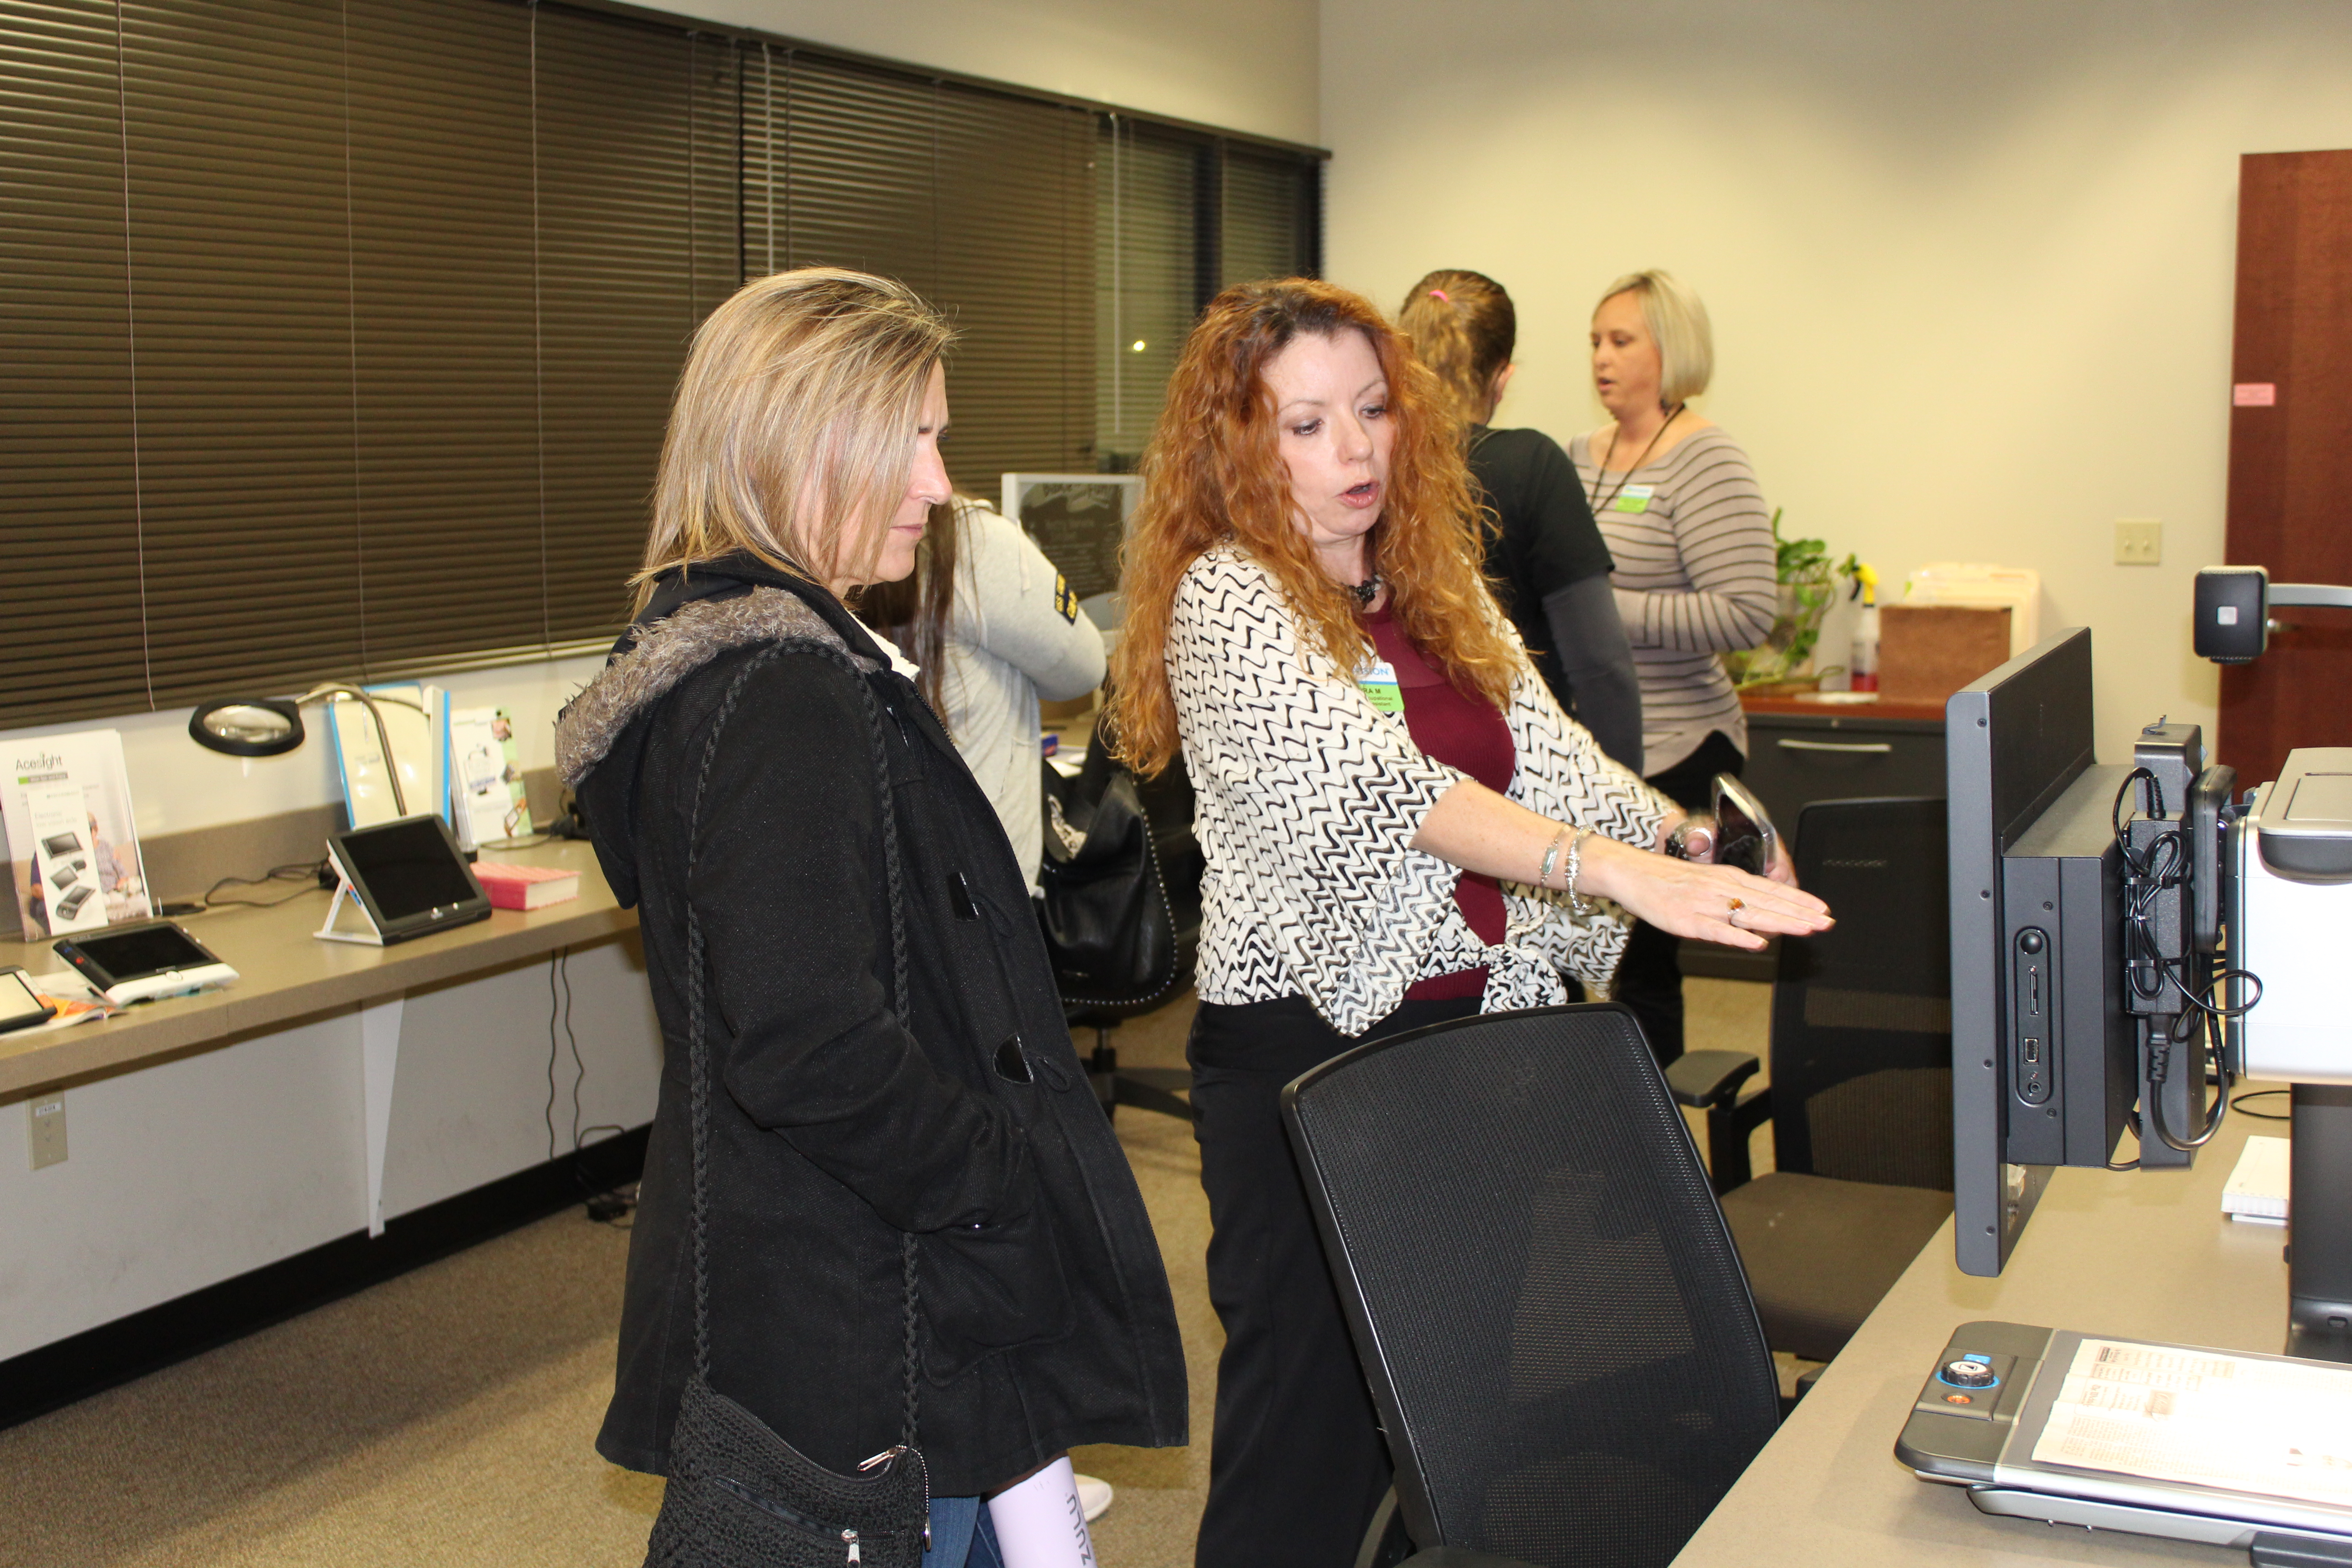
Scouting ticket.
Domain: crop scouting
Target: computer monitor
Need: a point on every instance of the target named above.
(2044, 1065)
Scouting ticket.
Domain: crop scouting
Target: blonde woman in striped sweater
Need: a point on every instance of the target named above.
(1695, 576)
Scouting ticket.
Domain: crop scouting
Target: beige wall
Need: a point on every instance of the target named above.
(1244, 65)
(1970, 266)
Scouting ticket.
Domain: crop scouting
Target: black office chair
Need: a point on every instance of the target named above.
(1547, 1305)
(1861, 1092)
(1166, 923)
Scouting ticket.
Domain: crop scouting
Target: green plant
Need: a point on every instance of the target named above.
(1809, 584)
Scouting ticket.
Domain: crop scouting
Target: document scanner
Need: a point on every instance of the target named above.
(2216, 1447)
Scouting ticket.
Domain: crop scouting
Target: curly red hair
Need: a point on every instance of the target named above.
(1213, 473)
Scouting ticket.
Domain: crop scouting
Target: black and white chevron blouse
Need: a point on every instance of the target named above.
(1309, 801)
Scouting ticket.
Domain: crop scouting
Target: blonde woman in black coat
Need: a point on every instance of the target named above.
(802, 461)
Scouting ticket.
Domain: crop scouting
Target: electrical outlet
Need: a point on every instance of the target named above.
(2139, 541)
(47, 1114)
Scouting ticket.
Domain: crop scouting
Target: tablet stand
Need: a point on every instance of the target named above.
(371, 937)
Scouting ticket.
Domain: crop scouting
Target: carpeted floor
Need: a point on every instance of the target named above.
(446, 1418)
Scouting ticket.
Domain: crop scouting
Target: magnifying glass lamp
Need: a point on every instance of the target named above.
(271, 726)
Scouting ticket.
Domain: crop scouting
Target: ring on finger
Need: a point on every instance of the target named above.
(1737, 905)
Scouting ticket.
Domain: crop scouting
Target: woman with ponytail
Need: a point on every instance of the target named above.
(1399, 826)
(1545, 556)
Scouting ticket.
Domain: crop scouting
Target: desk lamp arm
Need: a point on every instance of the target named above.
(333, 688)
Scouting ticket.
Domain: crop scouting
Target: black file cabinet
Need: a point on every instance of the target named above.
(1797, 757)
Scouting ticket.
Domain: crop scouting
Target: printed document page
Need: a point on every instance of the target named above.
(2282, 1428)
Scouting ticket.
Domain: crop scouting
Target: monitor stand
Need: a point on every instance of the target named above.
(371, 937)
(2319, 1229)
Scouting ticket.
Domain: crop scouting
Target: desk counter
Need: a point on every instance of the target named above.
(2142, 1254)
(284, 974)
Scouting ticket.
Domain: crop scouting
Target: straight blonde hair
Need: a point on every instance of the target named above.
(1676, 318)
(794, 428)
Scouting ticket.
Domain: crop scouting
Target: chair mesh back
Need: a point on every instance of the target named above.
(1556, 1328)
(1862, 1014)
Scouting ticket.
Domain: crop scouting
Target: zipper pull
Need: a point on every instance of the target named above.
(850, 1537)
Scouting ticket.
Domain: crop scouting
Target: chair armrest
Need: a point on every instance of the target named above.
(1702, 1079)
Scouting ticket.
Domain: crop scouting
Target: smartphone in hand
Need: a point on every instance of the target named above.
(1743, 834)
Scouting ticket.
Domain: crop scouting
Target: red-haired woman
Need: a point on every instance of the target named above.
(1399, 826)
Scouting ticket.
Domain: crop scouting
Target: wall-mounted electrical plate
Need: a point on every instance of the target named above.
(2139, 541)
(47, 1113)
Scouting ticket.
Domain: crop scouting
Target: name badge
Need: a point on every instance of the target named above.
(1634, 498)
(1378, 681)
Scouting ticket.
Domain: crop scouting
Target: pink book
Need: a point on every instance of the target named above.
(525, 887)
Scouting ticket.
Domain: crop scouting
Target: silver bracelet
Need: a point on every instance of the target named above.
(1551, 859)
(1576, 864)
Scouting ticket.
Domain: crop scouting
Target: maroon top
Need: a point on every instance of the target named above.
(1463, 731)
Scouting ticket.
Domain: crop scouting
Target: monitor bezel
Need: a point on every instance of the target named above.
(2013, 740)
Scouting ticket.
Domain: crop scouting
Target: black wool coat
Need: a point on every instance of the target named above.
(1043, 1316)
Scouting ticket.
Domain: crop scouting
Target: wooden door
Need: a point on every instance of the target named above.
(2291, 451)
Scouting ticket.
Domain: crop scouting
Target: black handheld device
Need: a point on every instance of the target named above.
(1743, 834)
(140, 962)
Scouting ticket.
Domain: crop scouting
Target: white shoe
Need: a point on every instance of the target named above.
(1095, 1497)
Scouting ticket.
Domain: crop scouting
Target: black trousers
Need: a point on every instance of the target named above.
(1649, 978)
(1296, 1463)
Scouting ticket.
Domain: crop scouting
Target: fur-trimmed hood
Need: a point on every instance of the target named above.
(696, 615)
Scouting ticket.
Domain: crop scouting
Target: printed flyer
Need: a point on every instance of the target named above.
(73, 848)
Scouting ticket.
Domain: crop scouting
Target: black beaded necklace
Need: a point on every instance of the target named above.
(1365, 590)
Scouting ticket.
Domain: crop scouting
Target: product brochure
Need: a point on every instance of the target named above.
(486, 777)
(73, 848)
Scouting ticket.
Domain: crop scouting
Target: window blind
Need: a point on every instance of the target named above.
(1181, 217)
(981, 201)
(238, 238)
(1150, 237)
(347, 332)
(1271, 214)
(641, 237)
(338, 339)
(70, 600)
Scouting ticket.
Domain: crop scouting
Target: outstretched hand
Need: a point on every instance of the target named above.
(1711, 903)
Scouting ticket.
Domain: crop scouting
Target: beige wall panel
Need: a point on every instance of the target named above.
(1970, 267)
(1246, 65)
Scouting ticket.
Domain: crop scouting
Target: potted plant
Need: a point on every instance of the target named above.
(1808, 586)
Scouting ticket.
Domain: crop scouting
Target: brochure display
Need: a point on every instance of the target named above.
(73, 848)
(485, 786)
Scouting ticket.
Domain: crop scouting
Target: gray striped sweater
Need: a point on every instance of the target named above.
(1695, 577)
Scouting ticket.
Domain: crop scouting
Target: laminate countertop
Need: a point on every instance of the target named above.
(2142, 1254)
(286, 974)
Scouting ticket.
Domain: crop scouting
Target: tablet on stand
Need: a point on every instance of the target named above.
(406, 877)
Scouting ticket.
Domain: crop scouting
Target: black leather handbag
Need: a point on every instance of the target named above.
(739, 1496)
(1104, 911)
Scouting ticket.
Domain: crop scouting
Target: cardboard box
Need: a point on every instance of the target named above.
(1927, 652)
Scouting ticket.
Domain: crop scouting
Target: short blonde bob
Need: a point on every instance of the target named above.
(794, 428)
(1676, 318)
